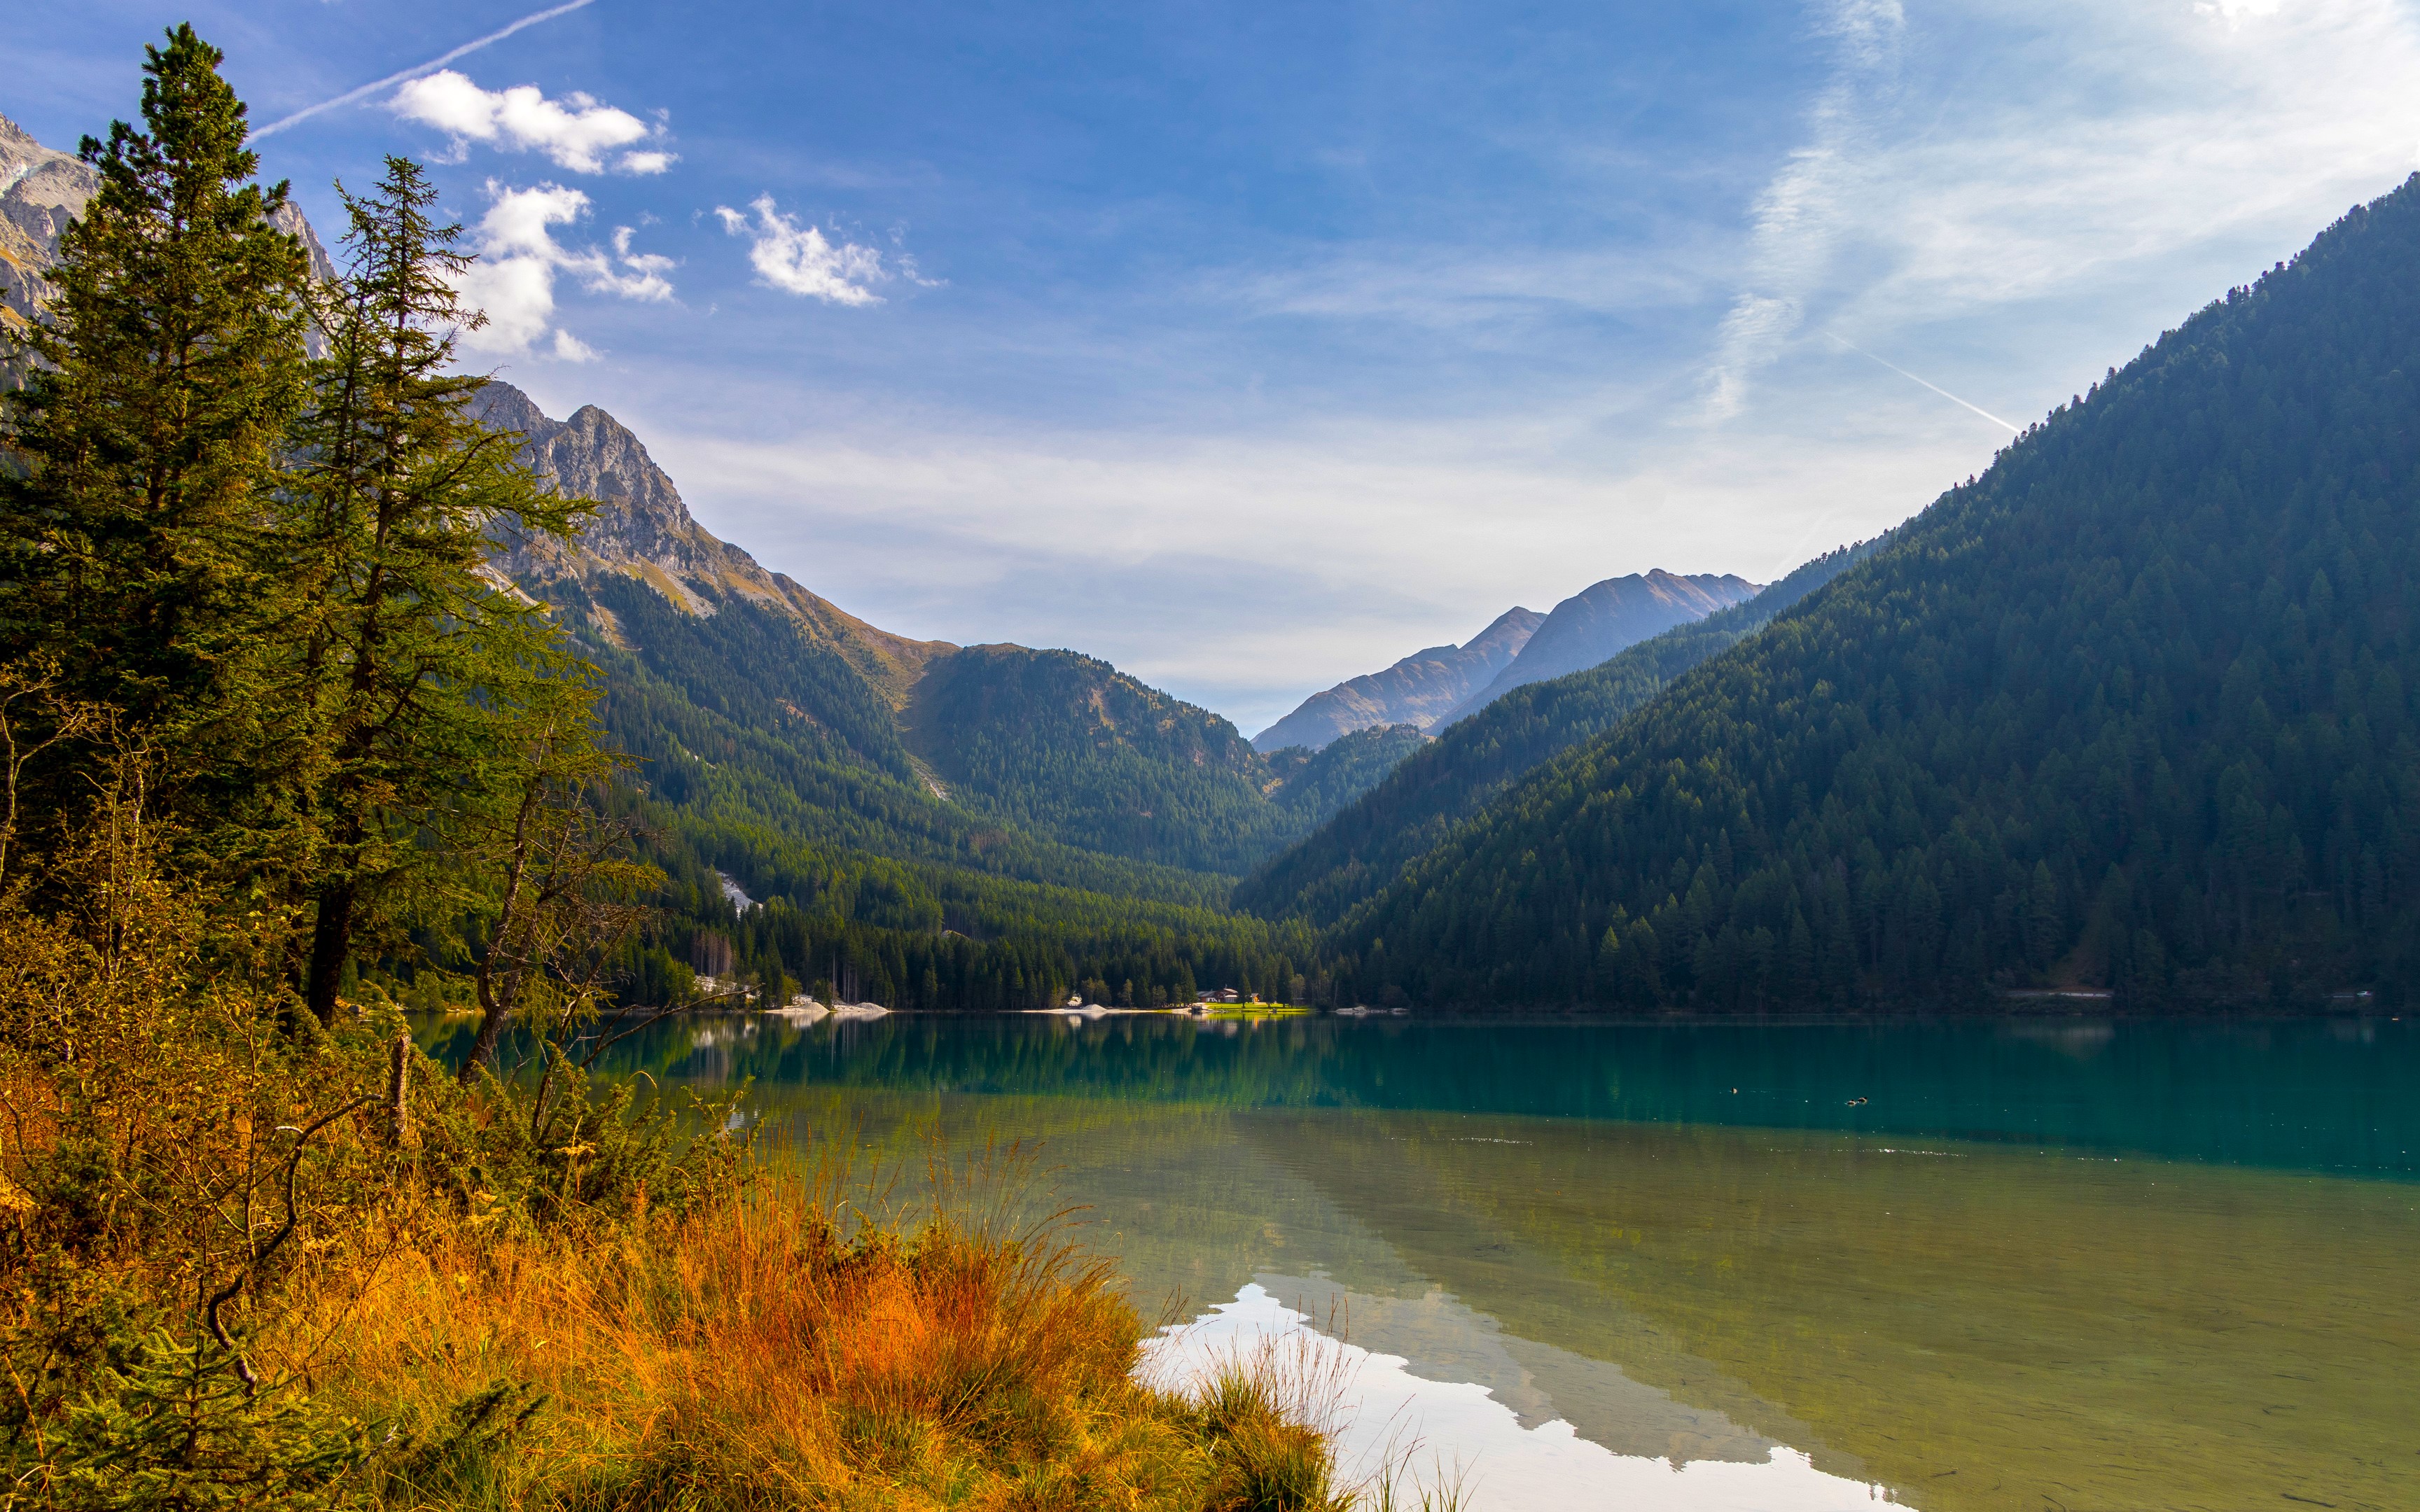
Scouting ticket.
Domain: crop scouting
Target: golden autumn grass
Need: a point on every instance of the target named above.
(746, 1354)
(490, 1305)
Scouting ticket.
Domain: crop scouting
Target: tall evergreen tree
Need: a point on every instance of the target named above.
(142, 546)
(426, 675)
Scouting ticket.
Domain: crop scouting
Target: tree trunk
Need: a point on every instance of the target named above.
(331, 946)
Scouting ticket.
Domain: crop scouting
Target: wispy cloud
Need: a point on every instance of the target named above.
(1795, 220)
(576, 132)
(520, 257)
(365, 91)
(797, 258)
(1389, 537)
(1973, 159)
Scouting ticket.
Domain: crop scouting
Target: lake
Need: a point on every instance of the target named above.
(2035, 1264)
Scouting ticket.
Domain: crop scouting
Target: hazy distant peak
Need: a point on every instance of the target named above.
(1416, 691)
(1602, 618)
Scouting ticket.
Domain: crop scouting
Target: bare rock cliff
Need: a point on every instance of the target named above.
(642, 529)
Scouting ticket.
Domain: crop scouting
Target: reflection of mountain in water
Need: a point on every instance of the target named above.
(1440, 1340)
(2325, 1096)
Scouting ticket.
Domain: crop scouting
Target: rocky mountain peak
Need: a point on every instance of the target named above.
(1417, 691)
(644, 529)
(594, 455)
(41, 190)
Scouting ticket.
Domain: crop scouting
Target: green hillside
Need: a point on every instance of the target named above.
(1067, 748)
(1420, 800)
(1315, 784)
(2133, 709)
(763, 759)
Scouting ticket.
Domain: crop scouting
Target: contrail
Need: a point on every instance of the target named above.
(2013, 430)
(414, 72)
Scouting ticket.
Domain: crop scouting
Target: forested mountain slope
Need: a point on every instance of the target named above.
(1419, 690)
(2135, 709)
(1603, 620)
(1316, 784)
(1067, 748)
(1438, 786)
(767, 759)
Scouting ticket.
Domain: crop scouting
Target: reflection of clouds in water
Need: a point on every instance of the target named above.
(1507, 1464)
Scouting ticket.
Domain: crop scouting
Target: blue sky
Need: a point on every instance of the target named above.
(1253, 346)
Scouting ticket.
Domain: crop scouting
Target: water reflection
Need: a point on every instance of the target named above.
(2320, 1095)
(2054, 1263)
(1405, 1413)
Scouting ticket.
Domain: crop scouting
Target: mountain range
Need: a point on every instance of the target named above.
(1603, 620)
(2130, 713)
(1432, 688)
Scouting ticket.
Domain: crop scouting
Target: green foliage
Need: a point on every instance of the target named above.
(141, 542)
(1437, 785)
(1067, 746)
(433, 690)
(2132, 710)
(543, 1151)
(168, 1426)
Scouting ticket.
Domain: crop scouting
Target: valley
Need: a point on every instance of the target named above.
(957, 825)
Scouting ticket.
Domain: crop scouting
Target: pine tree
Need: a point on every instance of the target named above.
(427, 674)
(141, 550)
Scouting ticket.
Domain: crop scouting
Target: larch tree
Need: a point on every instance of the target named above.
(438, 692)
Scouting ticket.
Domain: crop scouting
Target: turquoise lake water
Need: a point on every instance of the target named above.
(2045, 1263)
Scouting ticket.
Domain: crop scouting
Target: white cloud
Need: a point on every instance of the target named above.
(513, 280)
(1794, 232)
(801, 259)
(2020, 152)
(576, 131)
